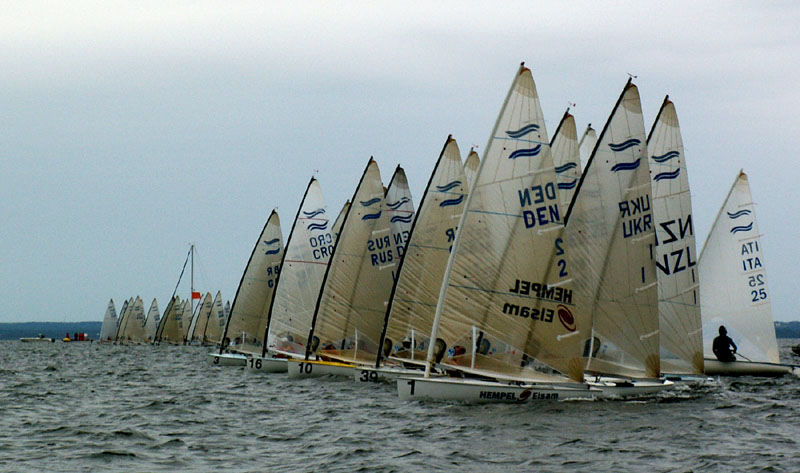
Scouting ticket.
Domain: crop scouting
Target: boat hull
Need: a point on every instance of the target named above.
(714, 367)
(227, 359)
(264, 365)
(36, 339)
(298, 369)
(627, 388)
(473, 391)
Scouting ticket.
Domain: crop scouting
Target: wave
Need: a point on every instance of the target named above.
(318, 226)
(525, 152)
(370, 202)
(667, 175)
(448, 202)
(568, 185)
(371, 216)
(396, 205)
(314, 213)
(742, 228)
(626, 166)
(403, 218)
(272, 252)
(522, 131)
(665, 157)
(565, 167)
(448, 186)
(624, 145)
(272, 242)
(739, 213)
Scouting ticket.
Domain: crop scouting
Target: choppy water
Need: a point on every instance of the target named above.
(90, 407)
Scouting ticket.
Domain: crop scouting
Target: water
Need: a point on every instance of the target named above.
(90, 407)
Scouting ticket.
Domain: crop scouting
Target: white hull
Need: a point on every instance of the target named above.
(474, 391)
(264, 365)
(227, 359)
(300, 368)
(629, 388)
(36, 339)
(383, 374)
(747, 368)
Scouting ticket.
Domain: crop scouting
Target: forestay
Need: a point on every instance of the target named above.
(610, 231)
(733, 280)
(676, 259)
(508, 297)
(248, 314)
(413, 303)
(567, 161)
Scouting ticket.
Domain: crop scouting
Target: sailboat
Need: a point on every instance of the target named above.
(734, 291)
(307, 253)
(109, 326)
(127, 308)
(349, 314)
(505, 321)
(610, 234)
(680, 331)
(200, 323)
(410, 313)
(471, 165)
(131, 329)
(566, 159)
(151, 323)
(215, 325)
(243, 334)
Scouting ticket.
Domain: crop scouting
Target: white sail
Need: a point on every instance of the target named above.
(733, 280)
(675, 255)
(133, 327)
(400, 212)
(507, 296)
(610, 232)
(248, 314)
(201, 320)
(170, 328)
(308, 251)
(109, 322)
(416, 292)
(567, 162)
(227, 308)
(119, 319)
(123, 318)
(471, 165)
(587, 144)
(348, 320)
(216, 322)
(151, 323)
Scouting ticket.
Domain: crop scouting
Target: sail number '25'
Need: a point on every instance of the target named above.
(758, 293)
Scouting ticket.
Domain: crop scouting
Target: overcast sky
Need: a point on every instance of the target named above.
(130, 129)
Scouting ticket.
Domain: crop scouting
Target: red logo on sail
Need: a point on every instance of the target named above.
(566, 318)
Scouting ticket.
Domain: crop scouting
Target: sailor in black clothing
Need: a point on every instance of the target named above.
(722, 346)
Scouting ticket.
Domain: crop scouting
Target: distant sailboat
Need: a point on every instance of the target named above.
(151, 323)
(197, 332)
(505, 313)
(170, 328)
(244, 330)
(308, 251)
(471, 165)
(734, 292)
(564, 149)
(680, 330)
(109, 326)
(610, 233)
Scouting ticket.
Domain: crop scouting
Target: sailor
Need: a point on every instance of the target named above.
(722, 346)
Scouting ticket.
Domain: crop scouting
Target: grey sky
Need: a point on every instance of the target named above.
(129, 129)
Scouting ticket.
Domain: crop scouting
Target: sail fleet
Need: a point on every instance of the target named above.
(560, 268)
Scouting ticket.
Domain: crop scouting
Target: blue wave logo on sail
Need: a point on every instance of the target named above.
(402, 218)
(448, 186)
(568, 185)
(525, 152)
(565, 167)
(396, 205)
(626, 166)
(367, 203)
(318, 226)
(617, 147)
(449, 202)
(665, 157)
(272, 242)
(667, 175)
(371, 216)
(523, 131)
(738, 214)
(314, 213)
(742, 228)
